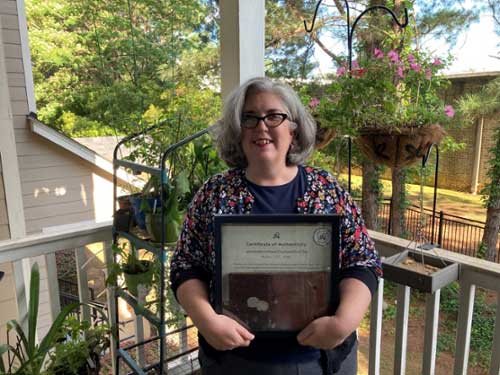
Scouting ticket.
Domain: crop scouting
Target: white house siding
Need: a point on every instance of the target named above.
(58, 187)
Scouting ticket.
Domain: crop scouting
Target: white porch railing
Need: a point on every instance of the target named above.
(473, 273)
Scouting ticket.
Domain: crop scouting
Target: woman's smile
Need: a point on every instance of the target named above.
(265, 145)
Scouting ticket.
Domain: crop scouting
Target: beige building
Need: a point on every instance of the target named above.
(47, 181)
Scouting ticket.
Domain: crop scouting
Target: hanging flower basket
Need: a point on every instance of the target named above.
(324, 135)
(399, 147)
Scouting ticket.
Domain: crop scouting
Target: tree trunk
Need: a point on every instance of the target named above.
(491, 229)
(398, 202)
(370, 194)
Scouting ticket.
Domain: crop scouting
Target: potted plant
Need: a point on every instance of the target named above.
(135, 271)
(78, 349)
(175, 190)
(26, 356)
(390, 102)
(202, 162)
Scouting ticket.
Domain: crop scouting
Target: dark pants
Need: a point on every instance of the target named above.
(232, 364)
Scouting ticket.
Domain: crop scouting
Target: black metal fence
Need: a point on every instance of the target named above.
(68, 293)
(450, 232)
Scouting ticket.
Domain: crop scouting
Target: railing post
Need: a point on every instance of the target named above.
(376, 330)
(54, 299)
(402, 312)
(431, 331)
(83, 283)
(495, 349)
(465, 310)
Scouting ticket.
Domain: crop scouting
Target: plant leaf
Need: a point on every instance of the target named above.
(33, 309)
(49, 339)
(182, 184)
(3, 349)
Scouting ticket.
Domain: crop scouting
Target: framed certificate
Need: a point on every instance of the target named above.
(276, 273)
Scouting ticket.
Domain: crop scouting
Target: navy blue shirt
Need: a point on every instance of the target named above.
(279, 199)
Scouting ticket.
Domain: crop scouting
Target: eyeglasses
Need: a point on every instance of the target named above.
(271, 120)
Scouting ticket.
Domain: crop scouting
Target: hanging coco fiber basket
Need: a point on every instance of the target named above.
(400, 147)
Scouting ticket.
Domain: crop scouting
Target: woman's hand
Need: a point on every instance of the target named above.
(324, 333)
(220, 331)
(330, 331)
(224, 333)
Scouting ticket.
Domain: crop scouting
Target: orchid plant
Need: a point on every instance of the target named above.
(387, 89)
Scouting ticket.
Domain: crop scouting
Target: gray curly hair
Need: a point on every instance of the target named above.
(227, 132)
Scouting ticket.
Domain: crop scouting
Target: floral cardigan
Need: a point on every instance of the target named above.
(227, 193)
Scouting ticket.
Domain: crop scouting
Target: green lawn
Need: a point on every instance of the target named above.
(451, 202)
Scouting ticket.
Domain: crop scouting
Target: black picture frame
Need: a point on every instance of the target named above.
(313, 285)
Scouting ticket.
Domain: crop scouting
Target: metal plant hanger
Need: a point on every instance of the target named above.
(350, 34)
(419, 241)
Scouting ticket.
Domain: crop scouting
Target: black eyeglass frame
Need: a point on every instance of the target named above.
(244, 117)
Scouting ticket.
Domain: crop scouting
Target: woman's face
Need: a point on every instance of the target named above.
(262, 145)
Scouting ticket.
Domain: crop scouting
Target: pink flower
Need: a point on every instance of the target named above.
(449, 111)
(393, 56)
(400, 72)
(428, 74)
(358, 72)
(378, 53)
(437, 62)
(341, 71)
(314, 102)
(411, 58)
(355, 64)
(415, 67)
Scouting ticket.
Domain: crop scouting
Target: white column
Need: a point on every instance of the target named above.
(242, 42)
(12, 184)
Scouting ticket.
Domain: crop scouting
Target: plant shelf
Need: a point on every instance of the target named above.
(138, 168)
(139, 309)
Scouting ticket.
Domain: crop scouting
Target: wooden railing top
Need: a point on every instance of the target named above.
(490, 271)
(67, 237)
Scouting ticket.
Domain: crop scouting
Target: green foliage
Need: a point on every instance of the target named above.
(129, 263)
(483, 324)
(78, 348)
(26, 356)
(100, 65)
(289, 49)
(482, 250)
(491, 191)
(388, 89)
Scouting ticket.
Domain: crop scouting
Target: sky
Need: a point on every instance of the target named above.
(472, 52)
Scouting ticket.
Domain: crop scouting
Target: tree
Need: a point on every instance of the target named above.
(476, 106)
(106, 67)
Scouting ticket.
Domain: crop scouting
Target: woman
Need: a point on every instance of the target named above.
(266, 134)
